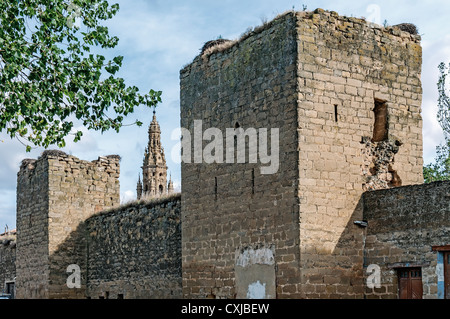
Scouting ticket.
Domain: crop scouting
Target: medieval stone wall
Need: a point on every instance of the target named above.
(7, 261)
(403, 226)
(345, 95)
(135, 251)
(55, 194)
(32, 257)
(359, 128)
(69, 220)
(231, 211)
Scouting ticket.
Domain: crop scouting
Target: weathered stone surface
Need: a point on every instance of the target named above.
(55, 195)
(317, 77)
(7, 261)
(135, 251)
(68, 214)
(403, 225)
(227, 207)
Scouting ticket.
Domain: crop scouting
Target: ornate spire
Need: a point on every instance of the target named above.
(170, 185)
(139, 188)
(154, 168)
(154, 125)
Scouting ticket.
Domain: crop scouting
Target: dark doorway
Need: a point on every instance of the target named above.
(10, 289)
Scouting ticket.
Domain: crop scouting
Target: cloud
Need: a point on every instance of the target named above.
(155, 40)
(177, 186)
(87, 147)
(159, 37)
(127, 196)
(12, 152)
(7, 209)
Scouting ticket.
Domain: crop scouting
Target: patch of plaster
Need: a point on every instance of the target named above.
(250, 256)
(256, 290)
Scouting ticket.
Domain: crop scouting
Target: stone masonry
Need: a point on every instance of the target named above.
(404, 224)
(232, 209)
(134, 251)
(55, 195)
(7, 262)
(345, 95)
(346, 68)
(154, 166)
(68, 214)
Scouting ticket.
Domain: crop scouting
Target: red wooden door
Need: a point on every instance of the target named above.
(447, 274)
(410, 283)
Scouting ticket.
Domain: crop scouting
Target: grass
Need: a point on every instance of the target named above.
(145, 201)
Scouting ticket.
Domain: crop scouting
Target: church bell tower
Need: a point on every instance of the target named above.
(154, 167)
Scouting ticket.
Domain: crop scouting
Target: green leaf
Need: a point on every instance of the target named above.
(49, 74)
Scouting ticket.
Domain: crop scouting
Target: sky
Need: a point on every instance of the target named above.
(159, 37)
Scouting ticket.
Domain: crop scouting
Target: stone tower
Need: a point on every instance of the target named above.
(56, 194)
(345, 96)
(154, 168)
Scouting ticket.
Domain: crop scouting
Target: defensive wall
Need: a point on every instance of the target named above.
(345, 95)
(69, 222)
(408, 227)
(134, 251)
(8, 262)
